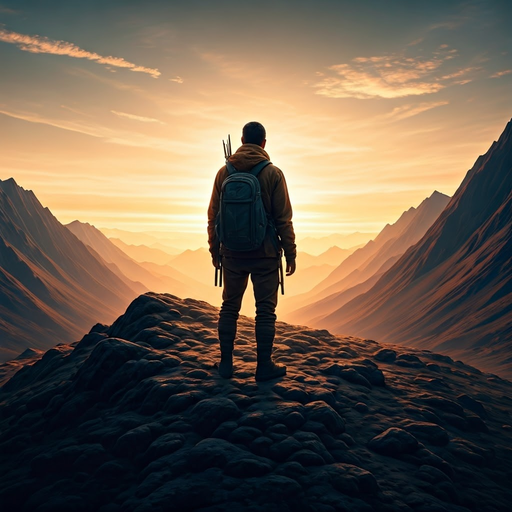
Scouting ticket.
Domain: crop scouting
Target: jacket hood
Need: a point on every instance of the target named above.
(247, 156)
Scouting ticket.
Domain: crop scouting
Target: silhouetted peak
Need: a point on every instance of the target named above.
(79, 223)
(8, 184)
(29, 353)
(437, 194)
(434, 200)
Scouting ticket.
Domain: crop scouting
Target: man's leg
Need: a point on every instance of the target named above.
(235, 283)
(265, 278)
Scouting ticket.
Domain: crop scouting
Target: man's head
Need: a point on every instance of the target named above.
(254, 133)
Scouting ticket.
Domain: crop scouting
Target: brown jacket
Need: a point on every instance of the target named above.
(274, 194)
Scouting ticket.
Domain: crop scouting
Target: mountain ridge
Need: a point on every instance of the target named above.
(59, 280)
(453, 288)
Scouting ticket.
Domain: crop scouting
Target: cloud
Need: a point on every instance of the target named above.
(405, 111)
(391, 76)
(176, 79)
(499, 74)
(111, 136)
(137, 118)
(40, 44)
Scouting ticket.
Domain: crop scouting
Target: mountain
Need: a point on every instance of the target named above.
(318, 245)
(52, 286)
(363, 264)
(135, 417)
(196, 264)
(173, 281)
(143, 253)
(332, 256)
(171, 242)
(452, 291)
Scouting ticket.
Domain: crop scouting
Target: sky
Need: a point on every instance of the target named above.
(114, 112)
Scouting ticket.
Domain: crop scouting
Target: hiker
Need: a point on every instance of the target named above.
(262, 263)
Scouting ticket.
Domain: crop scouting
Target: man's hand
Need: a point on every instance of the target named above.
(216, 261)
(290, 267)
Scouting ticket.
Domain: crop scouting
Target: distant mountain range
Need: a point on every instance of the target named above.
(360, 270)
(318, 245)
(52, 286)
(452, 291)
(172, 280)
(439, 278)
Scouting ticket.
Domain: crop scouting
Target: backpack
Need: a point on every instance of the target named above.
(242, 221)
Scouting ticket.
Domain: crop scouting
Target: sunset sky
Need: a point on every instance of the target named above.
(113, 112)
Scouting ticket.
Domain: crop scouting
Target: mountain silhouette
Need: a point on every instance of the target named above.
(181, 285)
(359, 271)
(452, 291)
(53, 287)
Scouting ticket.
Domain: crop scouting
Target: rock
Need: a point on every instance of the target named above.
(307, 458)
(347, 479)
(198, 374)
(428, 432)
(244, 435)
(473, 405)
(476, 424)
(277, 487)
(321, 412)
(133, 442)
(470, 453)
(182, 401)
(284, 449)
(361, 407)
(348, 373)
(164, 445)
(393, 442)
(92, 457)
(261, 446)
(246, 468)
(370, 371)
(432, 475)
(223, 431)
(385, 355)
(209, 413)
(409, 361)
(443, 404)
(105, 359)
(292, 391)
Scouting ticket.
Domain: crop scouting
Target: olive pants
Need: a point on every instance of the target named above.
(264, 274)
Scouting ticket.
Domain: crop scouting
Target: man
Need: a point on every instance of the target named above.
(262, 264)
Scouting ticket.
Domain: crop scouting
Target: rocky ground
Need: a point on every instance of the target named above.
(135, 418)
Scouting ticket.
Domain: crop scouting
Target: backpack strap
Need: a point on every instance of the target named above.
(257, 168)
(230, 168)
(254, 171)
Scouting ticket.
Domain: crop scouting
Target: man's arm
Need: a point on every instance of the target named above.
(213, 209)
(282, 215)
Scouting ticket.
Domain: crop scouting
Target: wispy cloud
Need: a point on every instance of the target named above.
(176, 79)
(406, 111)
(499, 74)
(41, 44)
(137, 118)
(56, 123)
(391, 76)
(109, 135)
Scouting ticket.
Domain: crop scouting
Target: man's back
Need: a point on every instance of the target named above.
(261, 264)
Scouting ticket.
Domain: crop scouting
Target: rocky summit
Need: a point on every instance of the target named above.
(135, 418)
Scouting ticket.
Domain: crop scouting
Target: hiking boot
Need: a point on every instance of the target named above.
(268, 370)
(226, 366)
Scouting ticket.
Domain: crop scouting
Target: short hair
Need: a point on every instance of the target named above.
(254, 133)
